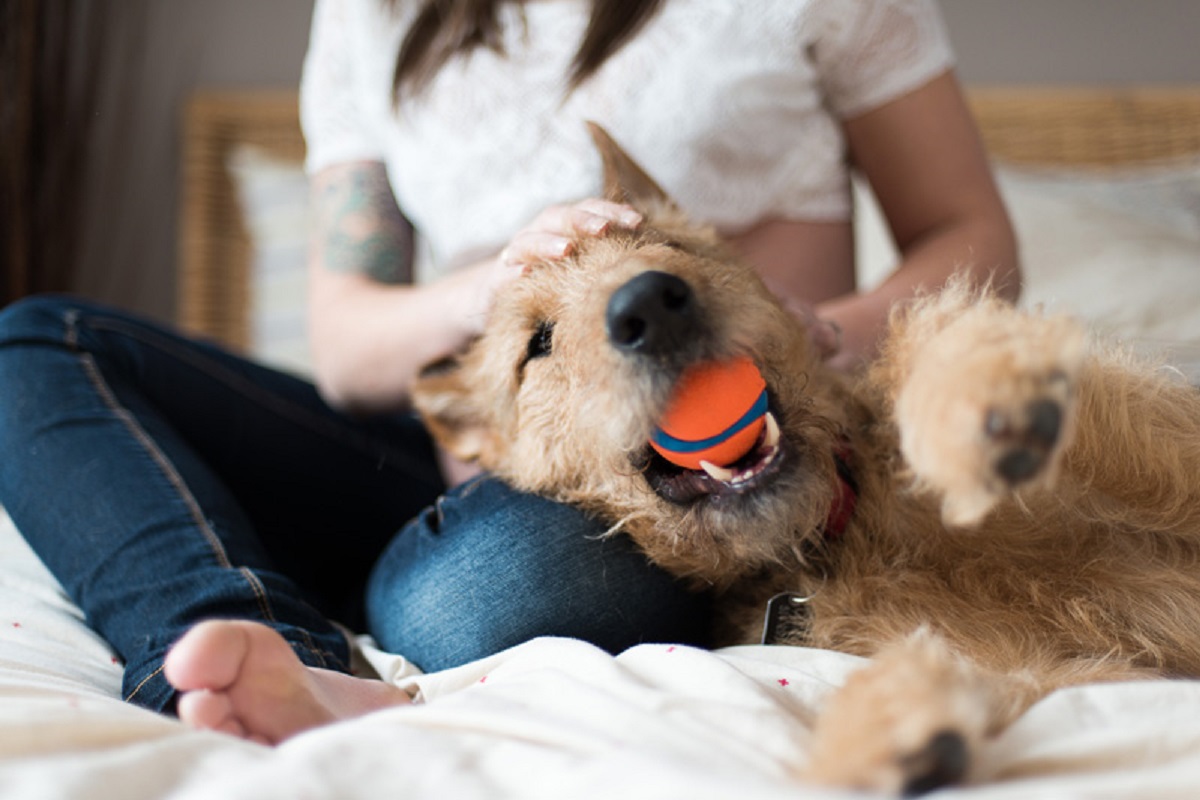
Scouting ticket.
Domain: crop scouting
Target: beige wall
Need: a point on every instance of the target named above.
(131, 239)
(1076, 41)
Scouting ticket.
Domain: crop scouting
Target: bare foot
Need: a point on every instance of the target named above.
(242, 678)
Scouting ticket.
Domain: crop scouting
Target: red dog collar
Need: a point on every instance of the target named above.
(845, 496)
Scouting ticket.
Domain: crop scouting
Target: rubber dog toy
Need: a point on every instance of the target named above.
(716, 414)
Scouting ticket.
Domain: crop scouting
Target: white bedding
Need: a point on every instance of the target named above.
(553, 718)
(559, 719)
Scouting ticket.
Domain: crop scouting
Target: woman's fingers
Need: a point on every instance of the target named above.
(529, 246)
(592, 216)
(825, 334)
(553, 232)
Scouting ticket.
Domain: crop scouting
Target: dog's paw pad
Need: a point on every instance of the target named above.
(1025, 440)
(942, 762)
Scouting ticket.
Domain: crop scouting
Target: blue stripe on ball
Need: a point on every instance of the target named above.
(669, 442)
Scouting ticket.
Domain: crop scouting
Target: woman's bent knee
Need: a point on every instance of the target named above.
(489, 568)
(40, 318)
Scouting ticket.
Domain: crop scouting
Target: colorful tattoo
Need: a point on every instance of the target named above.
(359, 226)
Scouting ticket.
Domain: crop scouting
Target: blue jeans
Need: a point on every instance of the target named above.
(165, 481)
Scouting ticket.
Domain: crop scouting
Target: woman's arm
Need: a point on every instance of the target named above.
(372, 329)
(926, 164)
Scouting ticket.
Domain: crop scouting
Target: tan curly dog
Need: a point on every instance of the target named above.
(997, 508)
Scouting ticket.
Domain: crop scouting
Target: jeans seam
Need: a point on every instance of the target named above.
(260, 592)
(329, 659)
(264, 604)
(164, 464)
(143, 682)
(96, 378)
(108, 397)
(249, 389)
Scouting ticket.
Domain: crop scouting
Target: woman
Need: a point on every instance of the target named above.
(218, 489)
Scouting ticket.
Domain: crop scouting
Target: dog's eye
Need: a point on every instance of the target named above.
(542, 341)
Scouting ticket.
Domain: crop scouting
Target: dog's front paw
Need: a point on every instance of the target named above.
(1020, 437)
(990, 413)
(1024, 440)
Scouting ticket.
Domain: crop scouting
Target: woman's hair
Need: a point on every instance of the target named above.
(444, 29)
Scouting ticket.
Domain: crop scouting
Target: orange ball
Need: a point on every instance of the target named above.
(715, 414)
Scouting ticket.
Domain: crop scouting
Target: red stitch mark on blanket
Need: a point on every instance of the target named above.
(671, 649)
(483, 679)
(784, 682)
(16, 624)
(115, 660)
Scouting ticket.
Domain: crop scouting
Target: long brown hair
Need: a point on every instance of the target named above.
(444, 29)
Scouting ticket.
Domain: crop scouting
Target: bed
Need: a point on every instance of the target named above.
(1104, 187)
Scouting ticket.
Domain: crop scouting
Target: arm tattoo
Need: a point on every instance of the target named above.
(359, 226)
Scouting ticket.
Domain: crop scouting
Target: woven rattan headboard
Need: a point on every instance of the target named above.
(214, 285)
(1068, 127)
(1088, 127)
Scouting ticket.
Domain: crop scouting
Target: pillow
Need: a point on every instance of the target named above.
(1123, 253)
(274, 199)
(1119, 249)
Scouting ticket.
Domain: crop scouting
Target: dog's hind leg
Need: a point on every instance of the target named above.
(912, 720)
(915, 717)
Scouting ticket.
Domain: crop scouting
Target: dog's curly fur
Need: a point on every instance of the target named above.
(1028, 500)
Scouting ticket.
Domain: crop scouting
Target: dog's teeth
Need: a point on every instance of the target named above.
(771, 438)
(717, 473)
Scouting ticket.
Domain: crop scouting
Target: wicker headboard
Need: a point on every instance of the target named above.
(1088, 127)
(1093, 128)
(214, 287)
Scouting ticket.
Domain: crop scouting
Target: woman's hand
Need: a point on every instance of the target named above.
(551, 235)
(825, 335)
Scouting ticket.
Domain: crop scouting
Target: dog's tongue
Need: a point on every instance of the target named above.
(716, 415)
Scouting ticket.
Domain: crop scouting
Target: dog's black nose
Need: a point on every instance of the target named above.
(652, 314)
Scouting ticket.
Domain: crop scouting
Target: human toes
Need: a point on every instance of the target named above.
(208, 710)
(209, 656)
(242, 678)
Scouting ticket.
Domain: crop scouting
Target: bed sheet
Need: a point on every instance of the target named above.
(553, 718)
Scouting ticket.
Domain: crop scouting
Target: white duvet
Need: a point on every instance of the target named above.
(559, 719)
(553, 718)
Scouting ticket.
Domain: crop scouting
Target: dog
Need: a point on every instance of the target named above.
(998, 506)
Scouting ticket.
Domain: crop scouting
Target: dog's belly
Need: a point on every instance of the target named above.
(1010, 607)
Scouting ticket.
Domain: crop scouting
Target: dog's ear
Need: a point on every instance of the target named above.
(624, 180)
(449, 410)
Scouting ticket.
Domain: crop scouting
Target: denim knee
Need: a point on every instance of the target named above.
(40, 318)
(489, 567)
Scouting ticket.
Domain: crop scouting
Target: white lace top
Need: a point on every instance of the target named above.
(731, 105)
